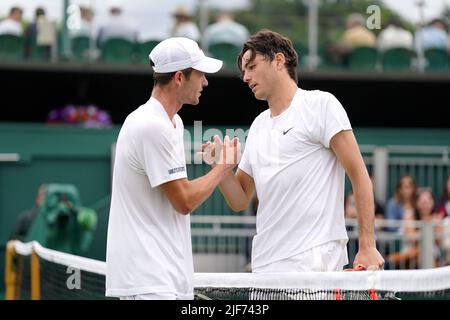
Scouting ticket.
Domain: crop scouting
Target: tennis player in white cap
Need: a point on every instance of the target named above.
(149, 254)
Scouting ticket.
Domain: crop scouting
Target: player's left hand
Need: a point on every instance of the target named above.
(371, 258)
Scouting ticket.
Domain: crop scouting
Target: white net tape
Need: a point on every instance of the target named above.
(396, 280)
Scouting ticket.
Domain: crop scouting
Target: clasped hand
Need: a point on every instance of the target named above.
(226, 153)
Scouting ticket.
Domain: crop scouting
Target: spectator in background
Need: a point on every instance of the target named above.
(425, 205)
(403, 201)
(443, 207)
(424, 211)
(12, 24)
(225, 30)
(395, 36)
(183, 26)
(116, 27)
(41, 33)
(356, 35)
(86, 18)
(26, 219)
(433, 36)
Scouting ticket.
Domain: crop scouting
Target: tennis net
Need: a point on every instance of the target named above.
(34, 272)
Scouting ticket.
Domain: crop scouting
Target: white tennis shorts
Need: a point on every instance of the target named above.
(330, 256)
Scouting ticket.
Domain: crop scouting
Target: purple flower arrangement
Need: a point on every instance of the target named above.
(89, 116)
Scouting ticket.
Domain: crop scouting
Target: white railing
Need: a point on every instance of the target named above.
(428, 246)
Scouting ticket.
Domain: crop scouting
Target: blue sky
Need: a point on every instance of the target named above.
(153, 16)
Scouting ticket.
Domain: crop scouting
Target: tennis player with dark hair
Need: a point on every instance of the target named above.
(296, 156)
(149, 253)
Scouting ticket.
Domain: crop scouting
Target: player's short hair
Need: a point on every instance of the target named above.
(163, 79)
(268, 43)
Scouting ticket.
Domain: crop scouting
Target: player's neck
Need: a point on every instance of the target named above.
(168, 101)
(282, 97)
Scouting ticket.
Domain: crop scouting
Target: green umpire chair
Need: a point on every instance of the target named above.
(143, 49)
(226, 52)
(397, 59)
(438, 60)
(11, 47)
(363, 59)
(62, 223)
(117, 50)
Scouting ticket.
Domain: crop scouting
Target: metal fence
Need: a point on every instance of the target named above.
(223, 243)
(428, 165)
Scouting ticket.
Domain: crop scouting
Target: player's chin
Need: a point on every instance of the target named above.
(194, 101)
(260, 96)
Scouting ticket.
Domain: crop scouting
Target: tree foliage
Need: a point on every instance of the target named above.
(290, 17)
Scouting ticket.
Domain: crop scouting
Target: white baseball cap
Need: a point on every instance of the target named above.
(179, 53)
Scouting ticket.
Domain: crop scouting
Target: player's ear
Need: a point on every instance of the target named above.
(280, 60)
(178, 76)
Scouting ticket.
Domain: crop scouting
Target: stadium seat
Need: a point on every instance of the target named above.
(143, 50)
(363, 59)
(397, 59)
(80, 45)
(226, 52)
(117, 50)
(11, 47)
(437, 60)
(39, 52)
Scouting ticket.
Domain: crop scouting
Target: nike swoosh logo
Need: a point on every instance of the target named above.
(286, 131)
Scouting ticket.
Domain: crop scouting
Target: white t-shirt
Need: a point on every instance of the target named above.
(394, 37)
(149, 246)
(187, 30)
(299, 180)
(225, 31)
(117, 27)
(10, 26)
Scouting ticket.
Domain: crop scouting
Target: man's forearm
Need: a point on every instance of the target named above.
(233, 192)
(201, 188)
(365, 206)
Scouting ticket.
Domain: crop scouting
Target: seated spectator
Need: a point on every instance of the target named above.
(85, 27)
(403, 202)
(12, 24)
(443, 207)
(26, 219)
(395, 36)
(183, 26)
(116, 27)
(356, 35)
(225, 30)
(424, 211)
(433, 36)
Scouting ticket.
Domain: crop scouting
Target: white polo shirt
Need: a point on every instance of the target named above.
(299, 181)
(149, 244)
